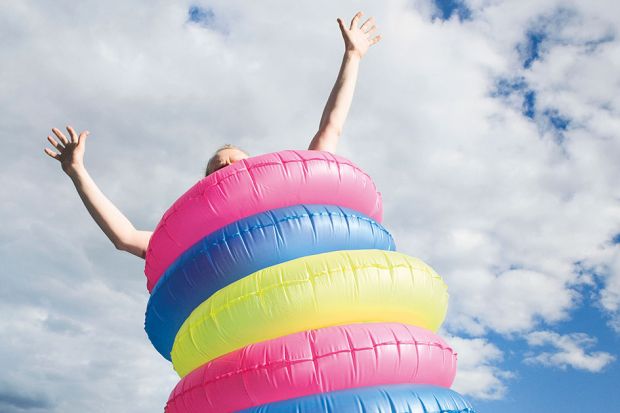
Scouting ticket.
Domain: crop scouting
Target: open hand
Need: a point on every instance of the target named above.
(70, 152)
(359, 39)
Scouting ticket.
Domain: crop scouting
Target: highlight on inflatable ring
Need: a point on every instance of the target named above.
(274, 288)
(316, 361)
(249, 245)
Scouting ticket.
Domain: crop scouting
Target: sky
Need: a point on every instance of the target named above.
(491, 128)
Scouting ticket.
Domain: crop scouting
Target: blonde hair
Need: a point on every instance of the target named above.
(211, 164)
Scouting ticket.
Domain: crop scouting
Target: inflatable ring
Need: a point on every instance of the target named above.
(340, 287)
(395, 398)
(247, 246)
(316, 361)
(255, 185)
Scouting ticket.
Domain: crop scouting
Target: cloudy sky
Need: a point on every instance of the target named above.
(491, 127)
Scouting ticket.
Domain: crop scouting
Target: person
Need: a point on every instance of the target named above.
(122, 233)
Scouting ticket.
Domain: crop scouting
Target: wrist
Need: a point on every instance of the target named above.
(352, 55)
(74, 171)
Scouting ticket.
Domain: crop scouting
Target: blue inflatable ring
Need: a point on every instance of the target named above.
(396, 398)
(247, 246)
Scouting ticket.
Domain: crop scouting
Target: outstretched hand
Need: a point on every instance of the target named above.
(70, 152)
(359, 39)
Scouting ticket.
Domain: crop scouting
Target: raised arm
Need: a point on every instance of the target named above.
(357, 42)
(113, 223)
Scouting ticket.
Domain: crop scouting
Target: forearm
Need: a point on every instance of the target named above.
(339, 102)
(113, 223)
(357, 41)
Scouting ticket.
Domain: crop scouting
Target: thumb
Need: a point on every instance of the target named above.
(82, 137)
(341, 24)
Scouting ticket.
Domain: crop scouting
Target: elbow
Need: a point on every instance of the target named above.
(136, 245)
(119, 245)
(326, 139)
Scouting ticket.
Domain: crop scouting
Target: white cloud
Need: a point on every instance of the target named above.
(604, 265)
(77, 345)
(484, 192)
(477, 374)
(513, 301)
(610, 294)
(569, 350)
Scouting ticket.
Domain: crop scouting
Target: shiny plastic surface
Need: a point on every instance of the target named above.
(316, 361)
(395, 398)
(255, 185)
(333, 288)
(249, 245)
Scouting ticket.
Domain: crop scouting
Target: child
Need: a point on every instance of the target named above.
(118, 228)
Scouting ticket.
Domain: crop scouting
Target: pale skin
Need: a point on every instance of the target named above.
(70, 150)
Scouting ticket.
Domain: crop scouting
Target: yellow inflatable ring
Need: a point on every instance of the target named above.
(316, 291)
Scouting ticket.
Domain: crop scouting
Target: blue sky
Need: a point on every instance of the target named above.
(541, 389)
(490, 127)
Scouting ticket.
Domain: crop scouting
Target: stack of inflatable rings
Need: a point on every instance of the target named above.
(274, 288)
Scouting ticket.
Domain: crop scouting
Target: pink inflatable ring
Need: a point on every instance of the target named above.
(254, 185)
(316, 361)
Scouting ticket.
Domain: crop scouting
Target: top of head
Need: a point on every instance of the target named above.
(225, 155)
